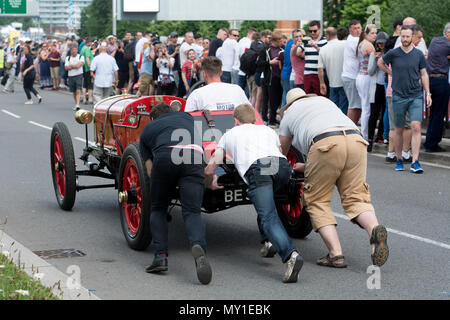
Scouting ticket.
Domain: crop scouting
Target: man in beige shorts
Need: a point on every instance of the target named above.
(336, 156)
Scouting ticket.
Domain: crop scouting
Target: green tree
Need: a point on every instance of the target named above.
(258, 25)
(332, 12)
(360, 10)
(432, 15)
(96, 19)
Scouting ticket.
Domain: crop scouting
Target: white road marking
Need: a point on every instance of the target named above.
(39, 125)
(84, 140)
(404, 234)
(11, 114)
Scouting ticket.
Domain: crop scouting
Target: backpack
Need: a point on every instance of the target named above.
(248, 62)
(129, 54)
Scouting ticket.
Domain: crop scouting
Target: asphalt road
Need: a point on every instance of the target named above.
(416, 209)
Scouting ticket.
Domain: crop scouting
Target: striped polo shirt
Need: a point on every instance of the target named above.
(312, 57)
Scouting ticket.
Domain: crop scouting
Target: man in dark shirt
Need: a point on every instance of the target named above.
(263, 73)
(217, 42)
(437, 67)
(170, 164)
(390, 43)
(275, 89)
(408, 67)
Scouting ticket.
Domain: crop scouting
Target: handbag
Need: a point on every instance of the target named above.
(5, 79)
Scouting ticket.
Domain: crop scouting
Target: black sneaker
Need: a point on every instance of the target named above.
(204, 272)
(390, 160)
(159, 264)
(436, 149)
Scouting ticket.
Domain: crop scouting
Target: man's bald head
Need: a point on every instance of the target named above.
(331, 33)
(409, 21)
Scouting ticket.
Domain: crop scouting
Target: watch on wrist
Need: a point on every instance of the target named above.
(429, 94)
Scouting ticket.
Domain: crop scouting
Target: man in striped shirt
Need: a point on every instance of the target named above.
(312, 49)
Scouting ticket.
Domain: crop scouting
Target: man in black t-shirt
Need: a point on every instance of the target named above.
(171, 164)
(217, 42)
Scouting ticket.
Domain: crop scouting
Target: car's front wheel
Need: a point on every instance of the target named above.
(292, 213)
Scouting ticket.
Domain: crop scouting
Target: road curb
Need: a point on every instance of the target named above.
(62, 285)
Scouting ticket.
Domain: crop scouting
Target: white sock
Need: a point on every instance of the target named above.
(406, 154)
(391, 154)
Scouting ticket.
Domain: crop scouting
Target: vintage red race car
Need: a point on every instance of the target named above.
(118, 123)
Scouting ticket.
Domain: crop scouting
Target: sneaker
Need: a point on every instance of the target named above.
(159, 264)
(76, 108)
(390, 160)
(386, 141)
(370, 146)
(40, 100)
(294, 265)
(436, 149)
(29, 102)
(399, 166)
(416, 168)
(204, 272)
(407, 158)
(268, 250)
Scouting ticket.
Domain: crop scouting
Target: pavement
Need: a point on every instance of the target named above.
(414, 208)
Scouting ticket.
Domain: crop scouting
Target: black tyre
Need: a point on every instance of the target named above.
(134, 199)
(293, 214)
(62, 164)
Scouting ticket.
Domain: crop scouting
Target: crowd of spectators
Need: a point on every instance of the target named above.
(340, 64)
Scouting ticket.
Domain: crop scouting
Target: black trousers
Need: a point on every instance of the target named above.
(440, 90)
(265, 102)
(165, 177)
(168, 90)
(28, 82)
(276, 95)
(377, 113)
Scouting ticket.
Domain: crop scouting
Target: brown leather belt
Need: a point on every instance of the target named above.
(335, 133)
(439, 75)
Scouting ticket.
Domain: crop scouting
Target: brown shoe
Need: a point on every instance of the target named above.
(379, 238)
(332, 262)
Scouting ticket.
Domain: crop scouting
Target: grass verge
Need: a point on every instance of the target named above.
(15, 284)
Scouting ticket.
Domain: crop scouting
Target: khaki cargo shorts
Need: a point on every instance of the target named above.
(336, 161)
(146, 81)
(252, 87)
(54, 73)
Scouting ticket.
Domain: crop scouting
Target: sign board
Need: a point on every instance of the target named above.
(141, 6)
(13, 6)
(19, 8)
(176, 10)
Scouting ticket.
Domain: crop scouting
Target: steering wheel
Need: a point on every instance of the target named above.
(196, 86)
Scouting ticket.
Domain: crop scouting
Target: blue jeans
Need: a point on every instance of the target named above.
(226, 77)
(287, 85)
(338, 96)
(267, 176)
(242, 82)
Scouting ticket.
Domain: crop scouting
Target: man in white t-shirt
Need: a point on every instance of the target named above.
(216, 95)
(350, 71)
(186, 46)
(255, 151)
(74, 65)
(331, 58)
(104, 70)
(244, 45)
(229, 54)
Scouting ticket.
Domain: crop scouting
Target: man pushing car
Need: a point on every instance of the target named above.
(337, 155)
(255, 152)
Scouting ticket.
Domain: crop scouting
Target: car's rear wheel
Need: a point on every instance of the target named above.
(134, 199)
(293, 214)
(62, 164)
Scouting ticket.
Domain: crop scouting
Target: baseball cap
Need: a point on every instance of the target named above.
(382, 37)
(173, 34)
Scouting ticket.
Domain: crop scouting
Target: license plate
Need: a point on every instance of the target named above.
(235, 196)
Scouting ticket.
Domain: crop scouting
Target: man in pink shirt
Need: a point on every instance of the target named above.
(298, 60)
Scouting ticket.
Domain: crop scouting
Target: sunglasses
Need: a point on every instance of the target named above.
(235, 35)
(313, 31)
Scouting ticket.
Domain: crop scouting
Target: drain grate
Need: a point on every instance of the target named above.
(59, 253)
